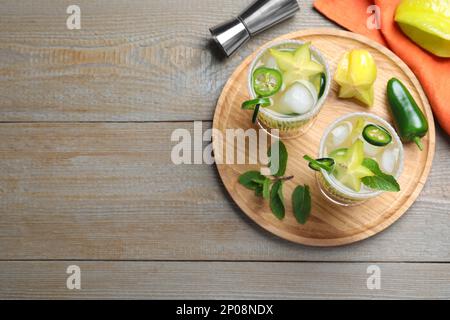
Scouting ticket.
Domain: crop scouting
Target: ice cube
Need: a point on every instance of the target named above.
(298, 98)
(389, 159)
(340, 134)
(371, 150)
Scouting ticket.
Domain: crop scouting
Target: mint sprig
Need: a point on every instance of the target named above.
(380, 180)
(272, 188)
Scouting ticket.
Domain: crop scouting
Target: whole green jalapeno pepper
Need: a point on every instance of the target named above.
(410, 120)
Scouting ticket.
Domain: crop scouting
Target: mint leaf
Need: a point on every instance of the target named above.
(266, 188)
(281, 159)
(301, 203)
(384, 183)
(372, 165)
(280, 192)
(259, 180)
(276, 199)
(250, 179)
(259, 190)
(381, 180)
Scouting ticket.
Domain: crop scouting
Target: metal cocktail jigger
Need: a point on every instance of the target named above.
(257, 17)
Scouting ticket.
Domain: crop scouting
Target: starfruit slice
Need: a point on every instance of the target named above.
(298, 64)
(348, 165)
(427, 23)
(356, 73)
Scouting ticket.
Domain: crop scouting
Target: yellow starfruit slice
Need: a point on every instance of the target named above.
(349, 169)
(427, 23)
(297, 65)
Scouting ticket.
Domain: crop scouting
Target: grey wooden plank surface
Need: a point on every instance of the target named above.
(110, 191)
(223, 280)
(139, 60)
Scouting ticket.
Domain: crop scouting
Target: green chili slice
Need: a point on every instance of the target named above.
(255, 104)
(323, 83)
(251, 104)
(323, 163)
(255, 113)
(266, 81)
(376, 135)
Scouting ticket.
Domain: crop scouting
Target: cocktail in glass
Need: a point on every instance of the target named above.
(346, 143)
(305, 84)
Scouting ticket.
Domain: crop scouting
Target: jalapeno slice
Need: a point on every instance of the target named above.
(255, 104)
(251, 104)
(376, 135)
(323, 83)
(255, 113)
(267, 81)
(323, 163)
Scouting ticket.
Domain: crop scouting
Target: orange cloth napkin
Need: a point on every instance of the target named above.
(433, 72)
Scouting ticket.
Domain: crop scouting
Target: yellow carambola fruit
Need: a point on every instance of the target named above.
(427, 23)
(297, 64)
(349, 169)
(356, 73)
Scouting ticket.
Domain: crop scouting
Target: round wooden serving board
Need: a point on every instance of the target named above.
(328, 225)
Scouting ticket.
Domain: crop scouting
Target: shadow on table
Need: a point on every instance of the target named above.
(216, 52)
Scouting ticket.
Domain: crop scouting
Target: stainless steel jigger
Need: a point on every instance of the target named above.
(257, 17)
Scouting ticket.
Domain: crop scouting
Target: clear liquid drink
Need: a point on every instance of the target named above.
(305, 84)
(343, 184)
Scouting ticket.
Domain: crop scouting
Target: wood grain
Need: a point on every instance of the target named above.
(110, 191)
(329, 225)
(135, 60)
(223, 280)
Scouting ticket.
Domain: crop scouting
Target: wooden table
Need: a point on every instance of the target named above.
(86, 176)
